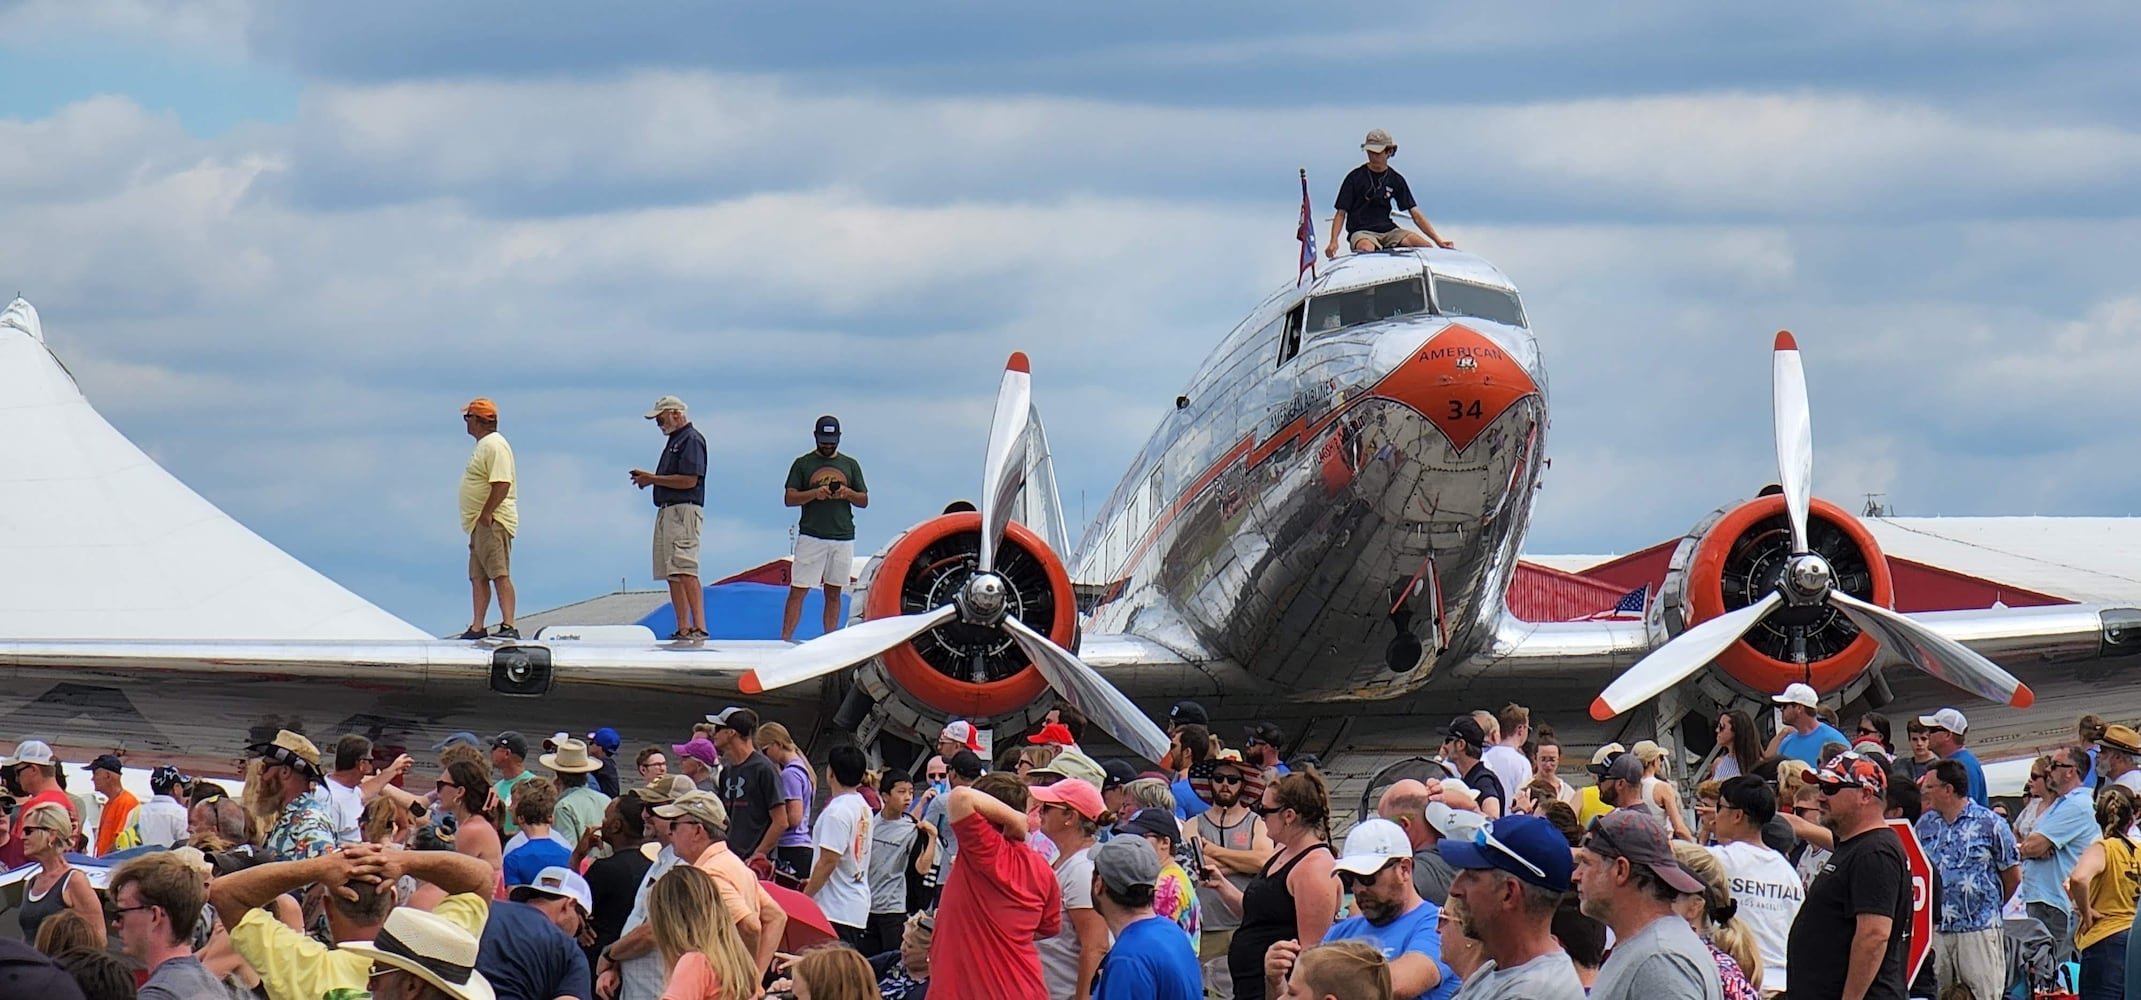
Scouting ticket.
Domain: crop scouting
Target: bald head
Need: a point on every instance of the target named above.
(1405, 803)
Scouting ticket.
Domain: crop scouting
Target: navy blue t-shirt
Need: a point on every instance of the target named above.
(1151, 960)
(1365, 197)
(526, 957)
(685, 455)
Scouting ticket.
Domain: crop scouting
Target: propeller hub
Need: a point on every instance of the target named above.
(1807, 579)
(983, 600)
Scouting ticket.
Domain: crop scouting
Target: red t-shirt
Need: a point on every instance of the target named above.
(1001, 898)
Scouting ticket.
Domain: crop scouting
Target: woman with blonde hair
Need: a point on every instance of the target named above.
(1714, 915)
(47, 834)
(698, 940)
(799, 788)
(832, 972)
(2103, 886)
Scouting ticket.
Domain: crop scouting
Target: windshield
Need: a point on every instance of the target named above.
(1463, 298)
(1366, 304)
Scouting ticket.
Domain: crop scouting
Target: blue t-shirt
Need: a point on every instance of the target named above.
(1808, 747)
(1187, 803)
(1977, 774)
(528, 860)
(1414, 931)
(2070, 824)
(526, 957)
(1151, 960)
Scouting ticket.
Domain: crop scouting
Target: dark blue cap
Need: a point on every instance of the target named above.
(461, 737)
(827, 429)
(1530, 838)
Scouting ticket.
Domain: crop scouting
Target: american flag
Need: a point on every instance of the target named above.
(1307, 233)
(1628, 608)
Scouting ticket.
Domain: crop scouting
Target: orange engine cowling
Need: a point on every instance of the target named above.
(964, 670)
(1737, 559)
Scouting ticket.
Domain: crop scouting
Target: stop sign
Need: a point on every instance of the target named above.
(1921, 870)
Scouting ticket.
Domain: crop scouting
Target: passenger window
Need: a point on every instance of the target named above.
(1290, 335)
(1464, 298)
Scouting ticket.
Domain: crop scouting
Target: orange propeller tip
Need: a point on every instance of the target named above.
(2023, 697)
(1600, 711)
(1785, 341)
(750, 683)
(1018, 363)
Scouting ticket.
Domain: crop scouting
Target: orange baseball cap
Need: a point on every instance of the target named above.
(480, 407)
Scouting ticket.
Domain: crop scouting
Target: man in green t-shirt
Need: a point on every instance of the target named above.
(828, 486)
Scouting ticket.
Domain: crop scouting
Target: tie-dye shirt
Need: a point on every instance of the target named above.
(1175, 897)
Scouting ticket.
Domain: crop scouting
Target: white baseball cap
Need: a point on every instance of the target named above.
(1947, 718)
(29, 752)
(1455, 824)
(563, 883)
(1798, 694)
(1373, 844)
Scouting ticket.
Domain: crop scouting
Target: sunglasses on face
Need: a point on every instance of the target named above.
(1863, 731)
(1258, 807)
(1350, 879)
(1226, 779)
(1833, 789)
(936, 775)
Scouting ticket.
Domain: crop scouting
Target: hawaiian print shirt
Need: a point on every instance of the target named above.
(1970, 854)
(1732, 983)
(302, 831)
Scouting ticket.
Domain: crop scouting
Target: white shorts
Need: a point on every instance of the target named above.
(821, 562)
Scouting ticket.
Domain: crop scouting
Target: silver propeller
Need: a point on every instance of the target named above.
(1807, 580)
(983, 600)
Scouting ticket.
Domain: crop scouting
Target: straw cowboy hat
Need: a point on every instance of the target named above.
(571, 758)
(429, 947)
(289, 748)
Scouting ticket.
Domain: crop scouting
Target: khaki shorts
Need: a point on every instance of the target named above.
(676, 540)
(490, 552)
(821, 561)
(1383, 241)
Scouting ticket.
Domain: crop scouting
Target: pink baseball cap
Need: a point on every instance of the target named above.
(1078, 795)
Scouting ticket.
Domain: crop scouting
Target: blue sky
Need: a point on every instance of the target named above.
(278, 237)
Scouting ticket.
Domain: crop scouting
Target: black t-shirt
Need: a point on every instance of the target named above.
(684, 455)
(750, 790)
(1867, 874)
(614, 883)
(1365, 198)
(1483, 780)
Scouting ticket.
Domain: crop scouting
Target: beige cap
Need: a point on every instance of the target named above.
(667, 403)
(667, 788)
(1647, 751)
(701, 806)
(1379, 141)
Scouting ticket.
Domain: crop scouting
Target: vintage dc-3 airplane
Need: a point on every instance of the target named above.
(1324, 526)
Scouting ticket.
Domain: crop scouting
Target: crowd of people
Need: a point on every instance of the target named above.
(825, 483)
(540, 871)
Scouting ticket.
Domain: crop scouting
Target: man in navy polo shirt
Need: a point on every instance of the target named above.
(679, 482)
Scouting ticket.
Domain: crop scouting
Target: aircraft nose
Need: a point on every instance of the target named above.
(1461, 381)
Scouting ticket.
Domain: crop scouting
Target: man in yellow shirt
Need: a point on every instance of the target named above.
(1591, 804)
(490, 513)
(291, 964)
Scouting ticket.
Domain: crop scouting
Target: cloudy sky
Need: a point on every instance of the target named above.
(280, 244)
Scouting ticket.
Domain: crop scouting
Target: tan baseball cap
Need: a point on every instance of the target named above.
(667, 403)
(1379, 141)
(667, 788)
(704, 807)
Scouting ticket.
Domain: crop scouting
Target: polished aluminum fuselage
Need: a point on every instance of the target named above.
(1287, 508)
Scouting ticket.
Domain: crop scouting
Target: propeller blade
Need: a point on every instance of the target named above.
(1795, 435)
(1934, 653)
(1005, 469)
(1675, 661)
(1084, 688)
(841, 649)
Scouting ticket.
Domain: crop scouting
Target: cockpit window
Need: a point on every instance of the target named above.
(1366, 304)
(1463, 298)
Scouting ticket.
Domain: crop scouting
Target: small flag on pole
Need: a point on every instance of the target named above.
(1307, 233)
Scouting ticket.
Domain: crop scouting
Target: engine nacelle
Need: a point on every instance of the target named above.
(961, 670)
(1736, 556)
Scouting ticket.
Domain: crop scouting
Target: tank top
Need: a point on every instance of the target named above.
(1650, 798)
(1267, 918)
(1239, 837)
(36, 908)
(2112, 894)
